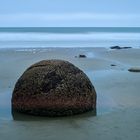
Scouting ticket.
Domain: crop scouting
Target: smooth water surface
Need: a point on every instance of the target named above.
(31, 37)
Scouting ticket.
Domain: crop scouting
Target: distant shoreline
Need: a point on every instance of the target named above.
(70, 29)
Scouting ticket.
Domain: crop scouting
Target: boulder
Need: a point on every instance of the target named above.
(53, 88)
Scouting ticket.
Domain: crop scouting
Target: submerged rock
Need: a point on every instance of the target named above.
(53, 88)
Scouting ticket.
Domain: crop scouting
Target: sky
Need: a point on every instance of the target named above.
(69, 13)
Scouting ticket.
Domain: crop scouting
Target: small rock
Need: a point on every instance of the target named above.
(126, 47)
(134, 69)
(118, 47)
(82, 56)
(112, 65)
(115, 47)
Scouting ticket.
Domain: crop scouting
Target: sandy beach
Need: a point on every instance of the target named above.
(118, 98)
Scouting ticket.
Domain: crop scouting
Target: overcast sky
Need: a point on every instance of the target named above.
(79, 13)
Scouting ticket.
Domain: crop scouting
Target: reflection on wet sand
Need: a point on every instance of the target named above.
(17, 116)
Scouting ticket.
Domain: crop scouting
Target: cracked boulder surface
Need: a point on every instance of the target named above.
(53, 88)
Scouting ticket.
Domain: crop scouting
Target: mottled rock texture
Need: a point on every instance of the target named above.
(53, 88)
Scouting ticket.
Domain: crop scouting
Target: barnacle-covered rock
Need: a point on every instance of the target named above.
(53, 88)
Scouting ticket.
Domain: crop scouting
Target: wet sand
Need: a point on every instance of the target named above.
(118, 98)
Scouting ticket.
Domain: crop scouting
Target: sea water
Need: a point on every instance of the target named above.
(47, 37)
(113, 121)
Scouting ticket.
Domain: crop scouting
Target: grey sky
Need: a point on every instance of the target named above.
(70, 13)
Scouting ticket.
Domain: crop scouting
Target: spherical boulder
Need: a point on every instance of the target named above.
(53, 88)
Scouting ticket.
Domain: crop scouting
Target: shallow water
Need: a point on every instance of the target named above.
(69, 37)
(118, 100)
(105, 104)
(114, 119)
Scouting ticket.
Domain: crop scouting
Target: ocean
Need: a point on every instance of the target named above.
(117, 115)
(69, 37)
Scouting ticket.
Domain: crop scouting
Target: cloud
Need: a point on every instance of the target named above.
(69, 19)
